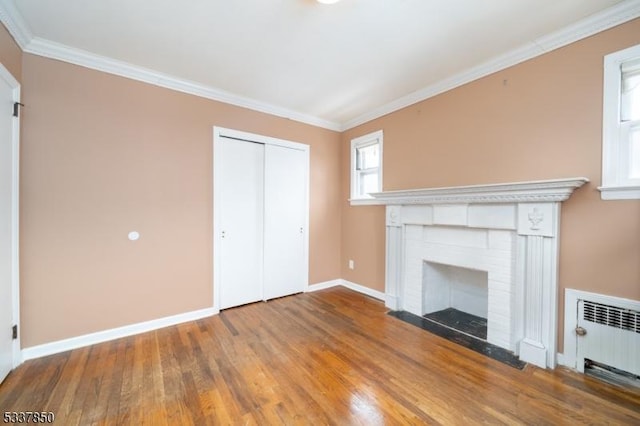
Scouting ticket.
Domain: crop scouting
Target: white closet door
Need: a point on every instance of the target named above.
(6, 226)
(242, 230)
(285, 213)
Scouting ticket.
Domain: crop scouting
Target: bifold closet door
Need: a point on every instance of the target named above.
(242, 227)
(284, 221)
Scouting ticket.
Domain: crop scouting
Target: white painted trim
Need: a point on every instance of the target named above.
(15, 24)
(61, 52)
(217, 244)
(323, 285)
(356, 143)
(15, 229)
(347, 284)
(554, 190)
(571, 298)
(114, 333)
(533, 352)
(615, 154)
(619, 192)
(560, 359)
(364, 290)
(15, 214)
(254, 137)
(550, 305)
(307, 220)
(608, 18)
(365, 202)
(219, 132)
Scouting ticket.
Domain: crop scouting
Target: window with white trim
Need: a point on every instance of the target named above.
(621, 126)
(366, 167)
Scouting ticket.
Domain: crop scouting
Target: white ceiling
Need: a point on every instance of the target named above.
(335, 65)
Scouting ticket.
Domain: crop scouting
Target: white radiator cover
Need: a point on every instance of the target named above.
(612, 335)
(612, 326)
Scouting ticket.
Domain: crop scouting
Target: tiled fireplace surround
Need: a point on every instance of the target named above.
(510, 231)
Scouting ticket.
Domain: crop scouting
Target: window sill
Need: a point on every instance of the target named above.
(365, 202)
(631, 192)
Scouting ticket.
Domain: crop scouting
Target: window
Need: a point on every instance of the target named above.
(366, 168)
(621, 126)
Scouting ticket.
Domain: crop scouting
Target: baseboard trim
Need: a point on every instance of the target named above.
(561, 361)
(142, 327)
(323, 285)
(348, 284)
(533, 352)
(111, 334)
(364, 290)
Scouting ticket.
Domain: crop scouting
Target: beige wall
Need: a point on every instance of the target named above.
(541, 119)
(104, 155)
(10, 54)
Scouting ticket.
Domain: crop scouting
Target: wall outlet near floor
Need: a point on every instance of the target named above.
(352, 264)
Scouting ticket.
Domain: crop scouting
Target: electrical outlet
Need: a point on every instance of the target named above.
(351, 264)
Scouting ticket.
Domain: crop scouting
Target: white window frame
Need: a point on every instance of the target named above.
(615, 184)
(371, 138)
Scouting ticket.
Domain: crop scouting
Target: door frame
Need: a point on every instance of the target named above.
(218, 133)
(15, 213)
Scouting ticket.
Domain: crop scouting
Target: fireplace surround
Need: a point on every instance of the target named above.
(509, 231)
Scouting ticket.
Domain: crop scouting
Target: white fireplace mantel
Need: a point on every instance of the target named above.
(554, 190)
(519, 220)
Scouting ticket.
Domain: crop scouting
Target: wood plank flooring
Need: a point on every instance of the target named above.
(330, 357)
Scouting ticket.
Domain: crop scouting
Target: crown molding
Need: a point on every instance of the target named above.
(539, 191)
(608, 18)
(61, 52)
(22, 34)
(15, 24)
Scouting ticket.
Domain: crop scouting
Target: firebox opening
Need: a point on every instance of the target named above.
(456, 297)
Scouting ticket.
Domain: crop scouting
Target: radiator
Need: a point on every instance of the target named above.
(608, 335)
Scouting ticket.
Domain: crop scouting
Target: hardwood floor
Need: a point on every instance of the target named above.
(330, 357)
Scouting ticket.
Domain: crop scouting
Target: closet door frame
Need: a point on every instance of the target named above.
(218, 134)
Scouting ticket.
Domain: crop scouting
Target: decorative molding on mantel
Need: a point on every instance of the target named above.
(541, 191)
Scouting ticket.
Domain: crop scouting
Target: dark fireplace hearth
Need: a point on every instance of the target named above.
(466, 323)
(462, 339)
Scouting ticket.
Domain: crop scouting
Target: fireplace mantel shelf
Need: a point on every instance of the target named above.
(508, 230)
(555, 190)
